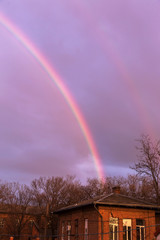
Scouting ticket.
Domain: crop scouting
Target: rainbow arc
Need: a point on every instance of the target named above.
(57, 80)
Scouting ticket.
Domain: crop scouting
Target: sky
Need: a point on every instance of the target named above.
(107, 54)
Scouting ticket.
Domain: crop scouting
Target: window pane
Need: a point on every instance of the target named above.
(115, 233)
(129, 233)
(124, 233)
(110, 232)
(69, 229)
(138, 233)
(140, 222)
(1, 223)
(63, 230)
(142, 233)
(86, 229)
(76, 229)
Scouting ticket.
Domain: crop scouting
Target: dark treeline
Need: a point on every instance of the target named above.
(47, 194)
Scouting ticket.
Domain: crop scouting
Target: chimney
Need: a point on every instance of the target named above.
(116, 189)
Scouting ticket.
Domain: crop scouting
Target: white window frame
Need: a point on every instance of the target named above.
(63, 229)
(76, 228)
(128, 224)
(86, 229)
(69, 230)
(113, 222)
(140, 229)
(1, 222)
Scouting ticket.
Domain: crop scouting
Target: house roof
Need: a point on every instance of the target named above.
(113, 199)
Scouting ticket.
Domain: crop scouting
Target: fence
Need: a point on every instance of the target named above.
(137, 233)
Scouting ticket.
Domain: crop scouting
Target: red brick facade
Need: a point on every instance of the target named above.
(122, 213)
(80, 215)
(98, 225)
(9, 225)
(112, 217)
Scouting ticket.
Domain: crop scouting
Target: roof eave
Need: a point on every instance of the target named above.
(72, 207)
(127, 205)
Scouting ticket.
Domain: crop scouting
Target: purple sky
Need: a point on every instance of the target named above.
(108, 55)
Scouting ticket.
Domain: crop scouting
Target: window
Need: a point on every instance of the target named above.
(69, 230)
(76, 229)
(1, 222)
(17, 221)
(63, 224)
(85, 229)
(140, 229)
(113, 228)
(127, 234)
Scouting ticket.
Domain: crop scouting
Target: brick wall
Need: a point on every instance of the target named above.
(128, 213)
(79, 214)
(94, 222)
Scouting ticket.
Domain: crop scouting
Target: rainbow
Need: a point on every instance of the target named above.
(57, 80)
(102, 38)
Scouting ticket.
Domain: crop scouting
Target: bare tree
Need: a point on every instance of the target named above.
(15, 200)
(148, 164)
(52, 193)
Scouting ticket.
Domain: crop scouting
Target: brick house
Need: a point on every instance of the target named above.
(111, 217)
(11, 222)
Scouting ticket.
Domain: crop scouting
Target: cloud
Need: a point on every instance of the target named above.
(107, 54)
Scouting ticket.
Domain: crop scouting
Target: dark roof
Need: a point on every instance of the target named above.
(112, 199)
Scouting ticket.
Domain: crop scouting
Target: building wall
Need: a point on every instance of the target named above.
(124, 213)
(158, 221)
(79, 214)
(94, 222)
(8, 226)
